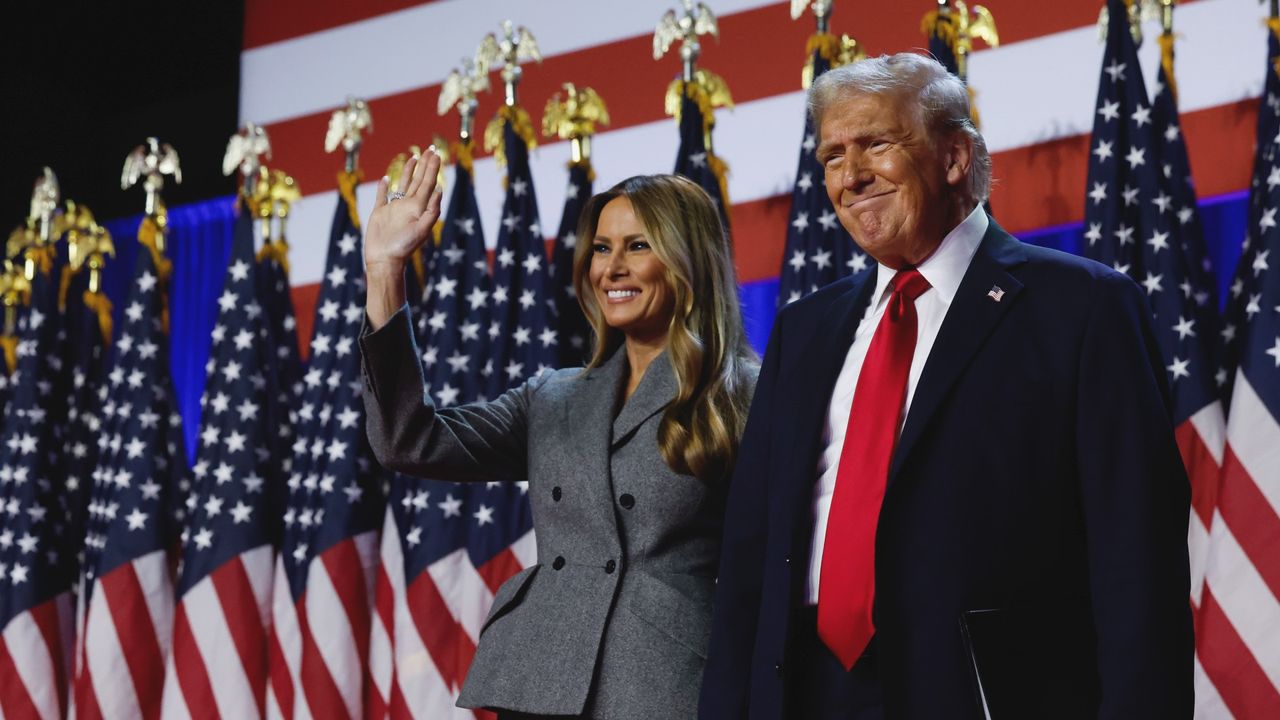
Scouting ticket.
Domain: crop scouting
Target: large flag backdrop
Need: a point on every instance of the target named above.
(1035, 92)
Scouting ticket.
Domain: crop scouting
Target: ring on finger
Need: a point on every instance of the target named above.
(394, 195)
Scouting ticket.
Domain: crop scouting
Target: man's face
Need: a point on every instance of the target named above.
(891, 184)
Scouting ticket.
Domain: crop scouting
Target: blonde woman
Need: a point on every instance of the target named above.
(627, 460)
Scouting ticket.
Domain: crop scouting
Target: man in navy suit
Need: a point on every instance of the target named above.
(958, 494)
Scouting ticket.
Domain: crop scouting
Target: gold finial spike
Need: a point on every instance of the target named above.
(574, 118)
(88, 244)
(244, 151)
(153, 160)
(345, 128)
(980, 25)
(821, 12)
(45, 198)
(517, 45)
(685, 27)
(1139, 12)
(284, 193)
(459, 91)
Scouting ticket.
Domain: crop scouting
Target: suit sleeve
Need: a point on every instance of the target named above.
(727, 676)
(1136, 502)
(477, 442)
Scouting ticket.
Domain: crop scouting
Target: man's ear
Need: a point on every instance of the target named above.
(959, 158)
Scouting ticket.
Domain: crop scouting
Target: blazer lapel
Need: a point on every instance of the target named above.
(974, 313)
(656, 390)
(588, 413)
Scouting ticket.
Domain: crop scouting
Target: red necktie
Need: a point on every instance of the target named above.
(847, 580)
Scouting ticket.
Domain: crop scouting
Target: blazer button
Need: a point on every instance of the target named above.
(787, 560)
(627, 501)
(610, 566)
(777, 668)
(555, 493)
(558, 562)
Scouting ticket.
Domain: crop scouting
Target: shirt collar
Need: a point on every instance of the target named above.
(945, 268)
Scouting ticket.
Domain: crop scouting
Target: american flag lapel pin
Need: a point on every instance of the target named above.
(995, 293)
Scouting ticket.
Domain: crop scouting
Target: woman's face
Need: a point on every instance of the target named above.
(629, 281)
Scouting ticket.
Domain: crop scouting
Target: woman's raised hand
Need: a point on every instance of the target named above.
(402, 220)
(400, 223)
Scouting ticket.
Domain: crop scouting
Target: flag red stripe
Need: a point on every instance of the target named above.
(445, 640)
(87, 700)
(1252, 520)
(317, 684)
(281, 680)
(193, 676)
(136, 632)
(499, 568)
(46, 619)
(346, 574)
(399, 707)
(15, 702)
(1202, 469)
(268, 21)
(244, 621)
(1234, 671)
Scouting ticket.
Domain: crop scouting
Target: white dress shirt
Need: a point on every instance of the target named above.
(944, 270)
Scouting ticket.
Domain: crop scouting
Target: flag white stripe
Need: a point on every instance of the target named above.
(1254, 436)
(464, 591)
(1212, 429)
(1198, 547)
(1245, 598)
(152, 570)
(33, 663)
(173, 705)
(419, 679)
(288, 635)
(381, 658)
(232, 692)
(259, 565)
(333, 635)
(526, 549)
(108, 670)
(419, 46)
(1209, 704)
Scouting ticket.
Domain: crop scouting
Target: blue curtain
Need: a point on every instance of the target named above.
(199, 245)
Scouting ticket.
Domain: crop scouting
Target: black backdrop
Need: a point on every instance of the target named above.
(83, 83)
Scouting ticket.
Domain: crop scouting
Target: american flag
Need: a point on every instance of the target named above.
(818, 250)
(694, 159)
(455, 314)
(572, 329)
(1131, 224)
(940, 34)
(454, 322)
(447, 547)
(522, 339)
(323, 588)
(36, 559)
(1262, 182)
(140, 479)
(285, 373)
(1240, 604)
(220, 628)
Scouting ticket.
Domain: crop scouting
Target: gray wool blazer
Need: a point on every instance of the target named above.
(613, 620)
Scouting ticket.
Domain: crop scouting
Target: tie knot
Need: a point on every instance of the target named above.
(909, 283)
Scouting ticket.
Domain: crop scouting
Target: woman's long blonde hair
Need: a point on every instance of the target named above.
(706, 344)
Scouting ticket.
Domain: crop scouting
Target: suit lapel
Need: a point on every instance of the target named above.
(972, 316)
(656, 390)
(816, 370)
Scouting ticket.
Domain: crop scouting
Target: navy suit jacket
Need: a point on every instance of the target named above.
(1036, 474)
